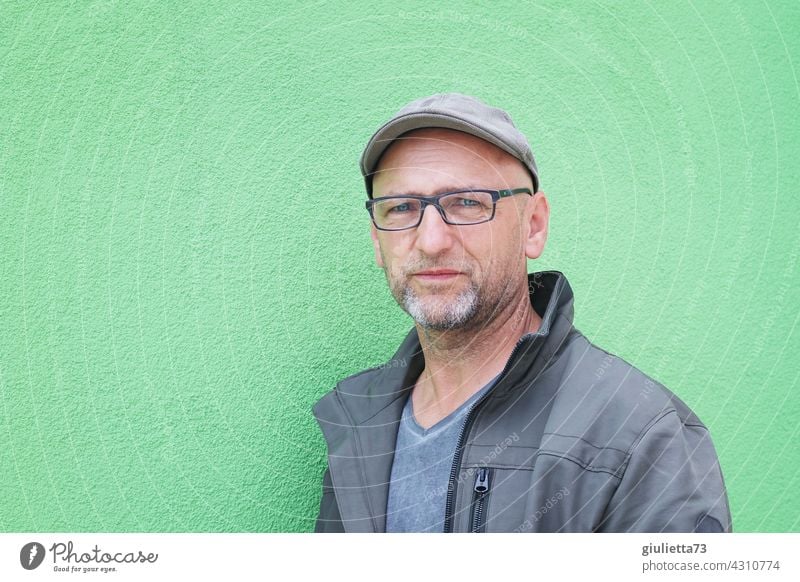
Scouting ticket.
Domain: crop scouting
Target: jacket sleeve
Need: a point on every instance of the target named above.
(672, 483)
(328, 520)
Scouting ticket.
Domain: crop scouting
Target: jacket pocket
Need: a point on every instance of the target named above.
(483, 481)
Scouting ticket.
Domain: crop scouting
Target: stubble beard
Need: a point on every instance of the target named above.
(439, 312)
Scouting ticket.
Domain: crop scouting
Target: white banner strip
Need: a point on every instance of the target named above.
(370, 557)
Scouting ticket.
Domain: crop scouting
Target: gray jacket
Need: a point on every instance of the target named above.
(569, 439)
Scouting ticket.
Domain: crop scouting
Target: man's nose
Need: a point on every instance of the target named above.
(434, 235)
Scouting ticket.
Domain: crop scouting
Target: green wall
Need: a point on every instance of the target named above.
(186, 265)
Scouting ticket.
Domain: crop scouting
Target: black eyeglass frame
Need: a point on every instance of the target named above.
(434, 201)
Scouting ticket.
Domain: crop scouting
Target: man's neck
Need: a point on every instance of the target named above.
(459, 362)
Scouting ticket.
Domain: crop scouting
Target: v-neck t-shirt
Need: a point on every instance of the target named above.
(421, 468)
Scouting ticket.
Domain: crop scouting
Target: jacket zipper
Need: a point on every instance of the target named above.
(451, 485)
(482, 483)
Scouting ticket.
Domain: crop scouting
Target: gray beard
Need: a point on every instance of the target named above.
(451, 315)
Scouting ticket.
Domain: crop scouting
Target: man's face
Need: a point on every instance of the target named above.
(456, 277)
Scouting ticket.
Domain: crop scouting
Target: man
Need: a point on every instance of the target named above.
(495, 414)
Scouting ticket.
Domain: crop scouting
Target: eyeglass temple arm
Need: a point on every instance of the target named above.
(504, 193)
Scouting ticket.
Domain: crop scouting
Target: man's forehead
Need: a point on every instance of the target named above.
(479, 165)
(454, 186)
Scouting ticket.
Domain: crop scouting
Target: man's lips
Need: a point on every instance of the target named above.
(436, 274)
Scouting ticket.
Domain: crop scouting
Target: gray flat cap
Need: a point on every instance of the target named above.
(450, 111)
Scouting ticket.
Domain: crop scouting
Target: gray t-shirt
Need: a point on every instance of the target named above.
(421, 468)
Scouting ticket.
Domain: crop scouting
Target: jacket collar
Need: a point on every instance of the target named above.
(360, 417)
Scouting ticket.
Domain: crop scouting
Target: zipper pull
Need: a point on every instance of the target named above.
(482, 480)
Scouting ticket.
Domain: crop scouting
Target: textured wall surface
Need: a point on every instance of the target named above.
(185, 262)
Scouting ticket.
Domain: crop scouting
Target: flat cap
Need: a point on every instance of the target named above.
(450, 111)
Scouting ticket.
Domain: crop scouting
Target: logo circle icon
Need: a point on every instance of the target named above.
(31, 555)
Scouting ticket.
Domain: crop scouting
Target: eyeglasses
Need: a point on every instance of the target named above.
(457, 208)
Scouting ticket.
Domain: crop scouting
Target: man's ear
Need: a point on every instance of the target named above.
(539, 217)
(373, 232)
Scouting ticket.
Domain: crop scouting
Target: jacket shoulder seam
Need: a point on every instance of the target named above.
(591, 444)
(694, 424)
(648, 427)
(655, 420)
(581, 464)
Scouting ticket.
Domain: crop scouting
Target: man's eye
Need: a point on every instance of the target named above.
(466, 202)
(404, 207)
